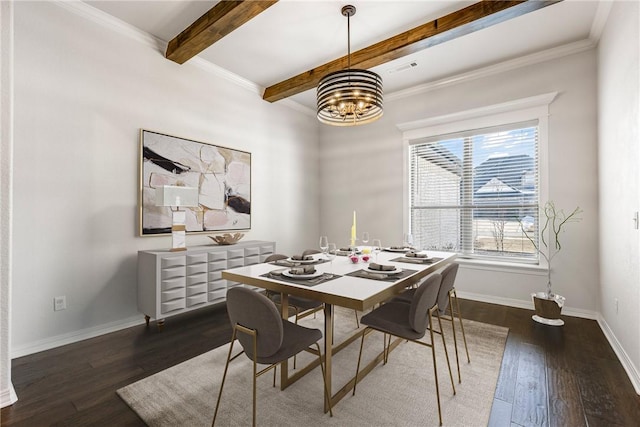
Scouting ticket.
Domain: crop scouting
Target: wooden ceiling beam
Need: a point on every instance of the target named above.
(456, 24)
(219, 21)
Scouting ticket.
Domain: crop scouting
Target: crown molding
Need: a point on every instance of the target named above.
(117, 25)
(599, 20)
(108, 21)
(512, 64)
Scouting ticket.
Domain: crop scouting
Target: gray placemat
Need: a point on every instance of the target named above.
(426, 261)
(285, 263)
(380, 276)
(305, 282)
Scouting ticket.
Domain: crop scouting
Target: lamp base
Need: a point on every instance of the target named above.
(179, 232)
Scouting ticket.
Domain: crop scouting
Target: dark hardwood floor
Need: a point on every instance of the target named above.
(550, 376)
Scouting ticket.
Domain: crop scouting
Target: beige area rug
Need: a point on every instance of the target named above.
(400, 393)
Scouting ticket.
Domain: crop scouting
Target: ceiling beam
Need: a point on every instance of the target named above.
(456, 24)
(219, 21)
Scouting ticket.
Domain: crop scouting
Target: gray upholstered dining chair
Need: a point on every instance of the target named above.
(410, 322)
(446, 298)
(265, 337)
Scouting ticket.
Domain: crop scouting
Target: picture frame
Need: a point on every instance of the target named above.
(221, 174)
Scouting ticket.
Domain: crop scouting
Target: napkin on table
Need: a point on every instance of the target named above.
(302, 258)
(307, 269)
(381, 267)
(416, 255)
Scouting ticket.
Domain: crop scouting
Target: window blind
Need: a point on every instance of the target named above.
(476, 192)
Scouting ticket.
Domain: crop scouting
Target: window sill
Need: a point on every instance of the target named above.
(507, 267)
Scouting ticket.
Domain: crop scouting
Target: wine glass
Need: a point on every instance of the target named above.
(324, 244)
(377, 247)
(408, 240)
(331, 253)
(365, 238)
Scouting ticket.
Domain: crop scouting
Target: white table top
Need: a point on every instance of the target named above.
(346, 291)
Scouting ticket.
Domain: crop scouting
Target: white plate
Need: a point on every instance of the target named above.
(397, 250)
(396, 271)
(302, 276)
(299, 261)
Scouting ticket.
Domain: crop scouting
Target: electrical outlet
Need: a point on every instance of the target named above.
(616, 305)
(59, 303)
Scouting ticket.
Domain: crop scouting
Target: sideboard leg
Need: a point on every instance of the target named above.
(146, 319)
(160, 323)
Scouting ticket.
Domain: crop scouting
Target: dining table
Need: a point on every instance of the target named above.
(342, 283)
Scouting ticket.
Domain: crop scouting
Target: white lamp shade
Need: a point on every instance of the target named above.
(172, 195)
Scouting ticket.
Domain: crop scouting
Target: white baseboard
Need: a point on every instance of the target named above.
(526, 304)
(75, 336)
(8, 396)
(623, 357)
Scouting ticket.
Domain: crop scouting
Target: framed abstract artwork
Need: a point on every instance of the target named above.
(222, 176)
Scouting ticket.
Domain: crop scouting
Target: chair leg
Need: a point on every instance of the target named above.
(255, 375)
(324, 380)
(357, 320)
(224, 376)
(464, 337)
(359, 357)
(444, 344)
(455, 341)
(435, 368)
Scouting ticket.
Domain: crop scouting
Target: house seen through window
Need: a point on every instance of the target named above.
(476, 192)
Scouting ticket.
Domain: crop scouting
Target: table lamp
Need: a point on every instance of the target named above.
(176, 196)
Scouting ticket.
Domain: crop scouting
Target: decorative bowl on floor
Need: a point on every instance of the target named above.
(227, 239)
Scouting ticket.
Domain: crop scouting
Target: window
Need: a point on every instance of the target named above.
(474, 191)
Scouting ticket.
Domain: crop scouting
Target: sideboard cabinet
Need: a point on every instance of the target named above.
(171, 283)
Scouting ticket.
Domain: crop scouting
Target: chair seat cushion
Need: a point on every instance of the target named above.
(392, 318)
(295, 339)
(301, 303)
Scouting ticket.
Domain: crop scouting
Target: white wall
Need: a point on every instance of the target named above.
(362, 168)
(82, 92)
(619, 157)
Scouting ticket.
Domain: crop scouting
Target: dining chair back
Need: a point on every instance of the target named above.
(425, 298)
(448, 274)
(265, 338)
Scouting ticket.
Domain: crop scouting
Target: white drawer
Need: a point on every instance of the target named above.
(250, 260)
(251, 251)
(170, 273)
(197, 280)
(218, 265)
(266, 249)
(196, 299)
(172, 294)
(235, 263)
(217, 256)
(174, 261)
(166, 307)
(172, 284)
(218, 284)
(219, 295)
(235, 253)
(197, 289)
(197, 259)
(196, 269)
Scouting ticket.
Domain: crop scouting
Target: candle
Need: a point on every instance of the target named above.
(353, 230)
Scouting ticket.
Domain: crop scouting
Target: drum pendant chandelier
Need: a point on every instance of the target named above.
(349, 97)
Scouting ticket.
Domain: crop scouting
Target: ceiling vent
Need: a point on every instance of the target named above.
(404, 67)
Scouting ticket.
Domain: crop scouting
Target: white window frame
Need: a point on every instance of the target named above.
(520, 110)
